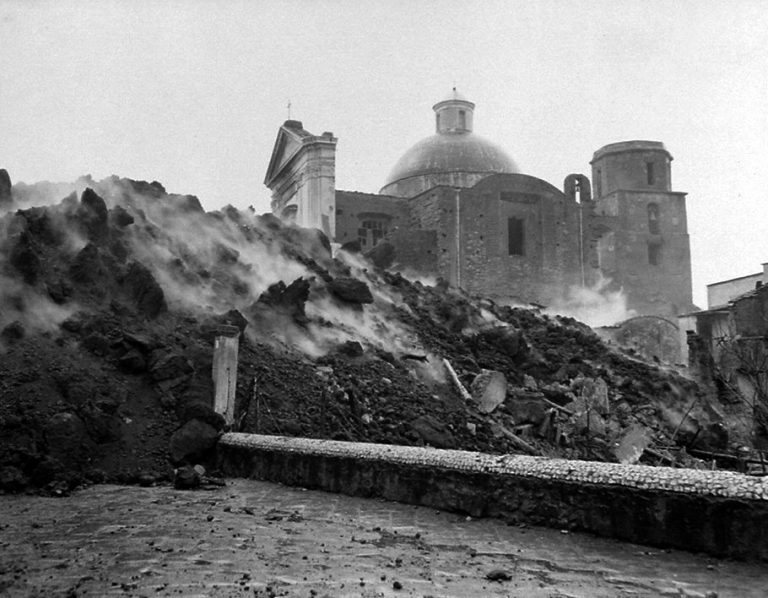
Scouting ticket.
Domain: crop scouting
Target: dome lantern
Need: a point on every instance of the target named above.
(453, 156)
(454, 114)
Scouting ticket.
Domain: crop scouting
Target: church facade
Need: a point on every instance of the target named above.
(456, 206)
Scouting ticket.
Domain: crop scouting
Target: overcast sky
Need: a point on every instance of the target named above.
(192, 93)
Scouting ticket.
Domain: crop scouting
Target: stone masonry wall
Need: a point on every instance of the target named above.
(721, 513)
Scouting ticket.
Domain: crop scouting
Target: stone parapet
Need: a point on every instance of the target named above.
(722, 513)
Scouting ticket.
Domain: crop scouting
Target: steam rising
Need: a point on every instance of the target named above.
(595, 306)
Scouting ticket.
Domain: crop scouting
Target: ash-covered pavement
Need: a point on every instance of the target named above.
(260, 539)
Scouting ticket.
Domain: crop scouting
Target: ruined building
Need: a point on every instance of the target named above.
(456, 206)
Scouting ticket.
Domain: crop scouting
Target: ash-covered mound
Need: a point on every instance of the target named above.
(111, 292)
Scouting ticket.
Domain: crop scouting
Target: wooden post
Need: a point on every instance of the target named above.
(225, 371)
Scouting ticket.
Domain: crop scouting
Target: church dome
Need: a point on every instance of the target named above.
(453, 156)
(452, 152)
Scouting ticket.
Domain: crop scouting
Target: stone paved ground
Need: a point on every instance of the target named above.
(259, 539)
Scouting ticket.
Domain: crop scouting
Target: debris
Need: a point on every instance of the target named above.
(489, 389)
(456, 382)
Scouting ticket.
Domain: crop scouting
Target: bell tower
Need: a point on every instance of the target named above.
(644, 246)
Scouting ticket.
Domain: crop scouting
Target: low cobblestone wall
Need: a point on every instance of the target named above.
(721, 513)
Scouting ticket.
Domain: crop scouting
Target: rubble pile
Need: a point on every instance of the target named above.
(111, 292)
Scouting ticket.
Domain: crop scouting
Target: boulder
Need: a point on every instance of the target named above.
(187, 478)
(93, 215)
(350, 290)
(351, 349)
(433, 432)
(120, 217)
(192, 440)
(289, 300)
(144, 290)
(205, 413)
(489, 389)
(352, 246)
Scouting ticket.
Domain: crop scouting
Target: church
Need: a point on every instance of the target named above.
(456, 206)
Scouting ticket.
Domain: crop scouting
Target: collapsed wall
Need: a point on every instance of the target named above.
(717, 512)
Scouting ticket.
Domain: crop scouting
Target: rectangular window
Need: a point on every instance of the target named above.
(654, 254)
(649, 173)
(462, 119)
(516, 236)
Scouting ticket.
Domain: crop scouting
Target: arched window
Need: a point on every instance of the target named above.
(653, 218)
(462, 119)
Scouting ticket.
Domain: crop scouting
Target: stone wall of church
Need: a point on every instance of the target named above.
(367, 217)
(543, 263)
(436, 210)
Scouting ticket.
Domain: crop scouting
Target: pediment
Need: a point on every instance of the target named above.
(287, 145)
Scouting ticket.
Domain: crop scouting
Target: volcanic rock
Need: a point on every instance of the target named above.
(101, 426)
(382, 254)
(352, 246)
(144, 290)
(59, 291)
(13, 332)
(120, 217)
(526, 407)
(12, 479)
(67, 438)
(168, 365)
(96, 343)
(88, 266)
(186, 478)
(93, 215)
(192, 440)
(351, 349)
(133, 362)
(200, 411)
(24, 258)
(506, 339)
(350, 290)
(433, 432)
(289, 300)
